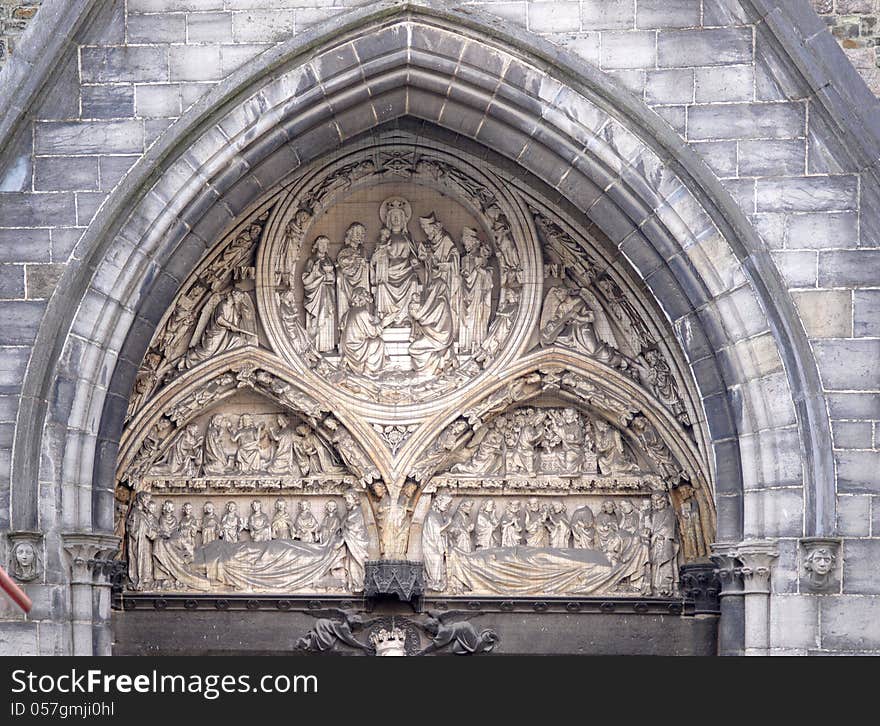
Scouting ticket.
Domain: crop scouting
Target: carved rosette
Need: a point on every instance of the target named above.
(399, 337)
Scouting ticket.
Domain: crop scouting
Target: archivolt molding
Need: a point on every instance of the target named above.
(517, 105)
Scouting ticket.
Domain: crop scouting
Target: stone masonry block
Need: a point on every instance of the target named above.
(209, 27)
(66, 173)
(717, 84)
(772, 157)
(838, 615)
(823, 230)
(825, 313)
(11, 282)
(746, 121)
(156, 28)
(845, 268)
(669, 86)
(157, 100)
(710, 47)
(858, 472)
(42, 279)
(860, 558)
(24, 209)
(124, 63)
(194, 63)
(799, 268)
(89, 137)
(634, 49)
(854, 516)
(849, 364)
(607, 14)
(262, 26)
(23, 245)
(21, 321)
(866, 313)
(667, 14)
(796, 194)
(107, 101)
(794, 621)
(852, 434)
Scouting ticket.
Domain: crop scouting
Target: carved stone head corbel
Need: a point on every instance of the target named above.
(820, 564)
(25, 556)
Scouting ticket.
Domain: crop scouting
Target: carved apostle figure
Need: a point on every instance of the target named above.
(231, 524)
(306, 523)
(352, 268)
(435, 543)
(217, 460)
(664, 547)
(282, 528)
(290, 317)
(187, 529)
(248, 457)
(361, 346)
(185, 454)
(330, 523)
(461, 529)
(433, 330)
(476, 305)
(210, 525)
(443, 261)
(559, 526)
(511, 524)
(486, 529)
(167, 520)
(284, 458)
(536, 523)
(228, 321)
(357, 542)
(258, 523)
(319, 296)
(611, 455)
(394, 264)
(583, 528)
(141, 529)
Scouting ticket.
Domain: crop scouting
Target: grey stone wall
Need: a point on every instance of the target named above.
(710, 70)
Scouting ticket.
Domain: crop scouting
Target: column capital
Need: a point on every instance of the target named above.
(89, 554)
(757, 557)
(728, 568)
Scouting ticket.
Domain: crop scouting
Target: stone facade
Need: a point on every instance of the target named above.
(727, 149)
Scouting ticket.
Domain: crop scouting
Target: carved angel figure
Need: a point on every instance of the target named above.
(185, 455)
(217, 460)
(319, 296)
(462, 636)
(575, 319)
(291, 245)
(488, 458)
(228, 321)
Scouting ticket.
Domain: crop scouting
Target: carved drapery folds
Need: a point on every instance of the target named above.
(403, 356)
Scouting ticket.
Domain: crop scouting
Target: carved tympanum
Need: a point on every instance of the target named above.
(404, 355)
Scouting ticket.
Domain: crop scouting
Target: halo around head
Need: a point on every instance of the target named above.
(395, 203)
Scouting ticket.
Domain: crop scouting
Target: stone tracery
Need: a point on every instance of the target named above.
(321, 351)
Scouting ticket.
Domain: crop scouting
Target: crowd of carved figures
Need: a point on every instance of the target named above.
(248, 444)
(438, 290)
(641, 537)
(563, 441)
(163, 537)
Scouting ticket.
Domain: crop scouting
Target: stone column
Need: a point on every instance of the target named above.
(731, 627)
(756, 557)
(88, 556)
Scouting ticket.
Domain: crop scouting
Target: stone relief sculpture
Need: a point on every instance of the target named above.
(24, 560)
(556, 483)
(538, 549)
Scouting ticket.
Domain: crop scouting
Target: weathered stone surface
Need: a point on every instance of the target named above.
(837, 617)
(859, 566)
(825, 313)
(849, 268)
(710, 47)
(858, 471)
(746, 121)
(854, 516)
